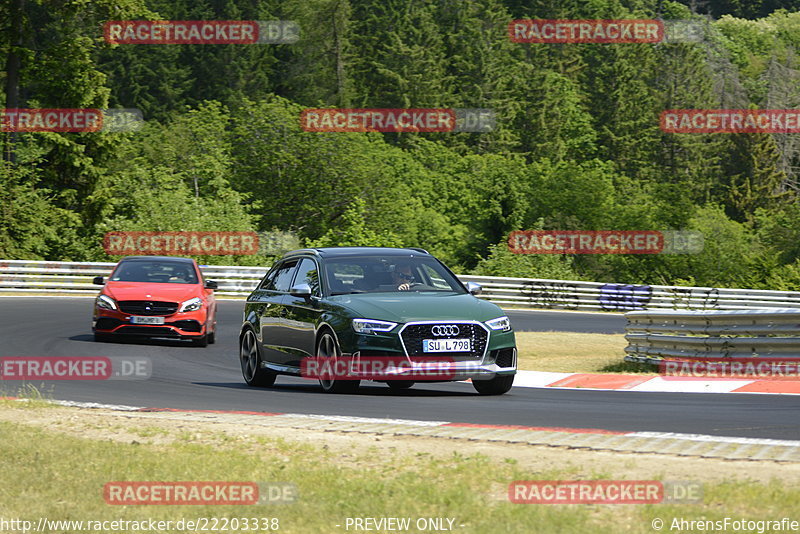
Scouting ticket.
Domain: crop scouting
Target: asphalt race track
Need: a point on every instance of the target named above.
(186, 377)
(562, 321)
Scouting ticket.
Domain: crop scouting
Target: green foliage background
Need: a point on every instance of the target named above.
(578, 144)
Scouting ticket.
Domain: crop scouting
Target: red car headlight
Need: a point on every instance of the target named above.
(105, 302)
(191, 305)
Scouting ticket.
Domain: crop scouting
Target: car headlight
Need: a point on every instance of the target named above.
(501, 323)
(191, 305)
(105, 302)
(369, 326)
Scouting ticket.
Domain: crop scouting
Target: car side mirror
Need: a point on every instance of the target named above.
(473, 288)
(98, 281)
(301, 290)
(211, 284)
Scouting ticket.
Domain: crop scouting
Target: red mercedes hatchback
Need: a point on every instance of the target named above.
(156, 296)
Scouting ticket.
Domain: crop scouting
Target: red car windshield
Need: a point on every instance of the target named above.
(164, 272)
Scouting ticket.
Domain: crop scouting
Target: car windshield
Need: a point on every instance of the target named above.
(161, 272)
(380, 274)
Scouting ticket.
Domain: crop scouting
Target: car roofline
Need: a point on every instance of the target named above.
(302, 251)
(157, 258)
(351, 251)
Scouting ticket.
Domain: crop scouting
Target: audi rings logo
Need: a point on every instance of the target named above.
(445, 330)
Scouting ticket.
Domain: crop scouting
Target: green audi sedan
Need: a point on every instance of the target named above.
(399, 316)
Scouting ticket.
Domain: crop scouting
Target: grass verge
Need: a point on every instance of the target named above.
(571, 352)
(32, 396)
(53, 474)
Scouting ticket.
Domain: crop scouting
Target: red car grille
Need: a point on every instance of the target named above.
(148, 307)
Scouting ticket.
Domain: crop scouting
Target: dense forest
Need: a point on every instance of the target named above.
(577, 144)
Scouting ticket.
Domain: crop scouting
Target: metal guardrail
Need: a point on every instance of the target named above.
(23, 276)
(657, 335)
(578, 295)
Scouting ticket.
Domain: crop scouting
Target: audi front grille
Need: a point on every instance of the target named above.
(413, 334)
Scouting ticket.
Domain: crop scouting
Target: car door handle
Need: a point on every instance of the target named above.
(284, 312)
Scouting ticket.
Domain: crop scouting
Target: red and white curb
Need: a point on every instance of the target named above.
(664, 384)
(727, 447)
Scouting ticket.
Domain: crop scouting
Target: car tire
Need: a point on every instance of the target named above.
(496, 386)
(212, 335)
(201, 341)
(400, 384)
(328, 347)
(250, 360)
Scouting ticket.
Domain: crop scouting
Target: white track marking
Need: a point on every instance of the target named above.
(368, 420)
(670, 385)
(537, 379)
(410, 422)
(715, 439)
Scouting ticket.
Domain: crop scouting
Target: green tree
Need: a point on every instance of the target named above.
(306, 180)
(484, 69)
(318, 69)
(500, 261)
(402, 61)
(730, 257)
(155, 198)
(779, 230)
(754, 178)
(31, 226)
(560, 127)
(354, 231)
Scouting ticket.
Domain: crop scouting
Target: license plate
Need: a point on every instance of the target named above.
(446, 345)
(138, 319)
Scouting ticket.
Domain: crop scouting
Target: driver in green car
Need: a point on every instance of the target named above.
(402, 277)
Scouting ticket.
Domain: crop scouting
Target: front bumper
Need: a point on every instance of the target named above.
(497, 363)
(497, 355)
(185, 325)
